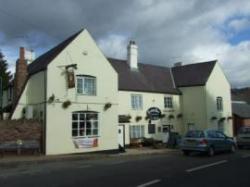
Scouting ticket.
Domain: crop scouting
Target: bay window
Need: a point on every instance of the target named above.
(84, 124)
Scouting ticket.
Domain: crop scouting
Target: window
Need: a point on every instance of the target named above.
(219, 102)
(86, 85)
(195, 134)
(136, 131)
(211, 134)
(168, 102)
(220, 135)
(151, 128)
(10, 93)
(136, 101)
(191, 126)
(84, 124)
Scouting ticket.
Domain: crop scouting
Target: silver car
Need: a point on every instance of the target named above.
(243, 137)
(206, 141)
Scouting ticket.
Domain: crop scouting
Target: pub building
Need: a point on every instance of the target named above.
(88, 102)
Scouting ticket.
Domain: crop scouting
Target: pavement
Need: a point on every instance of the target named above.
(160, 169)
(12, 160)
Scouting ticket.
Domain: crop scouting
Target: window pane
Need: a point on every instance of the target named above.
(82, 116)
(92, 116)
(88, 125)
(81, 132)
(95, 132)
(89, 86)
(95, 125)
(88, 131)
(74, 133)
(79, 85)
(74, 125)
(82, 125)
(74, 116)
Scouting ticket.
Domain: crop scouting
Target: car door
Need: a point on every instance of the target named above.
(214, 139)
(223, 143)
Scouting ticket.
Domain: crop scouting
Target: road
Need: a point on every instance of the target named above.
(172, 169)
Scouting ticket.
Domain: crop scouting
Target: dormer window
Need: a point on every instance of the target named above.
(86, 85)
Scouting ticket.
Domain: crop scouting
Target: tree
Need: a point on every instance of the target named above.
(5, 74)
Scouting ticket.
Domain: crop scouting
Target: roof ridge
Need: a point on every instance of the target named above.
(196, 63)
(144, 64)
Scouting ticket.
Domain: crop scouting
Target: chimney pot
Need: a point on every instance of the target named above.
(132, 53)
(177, 64)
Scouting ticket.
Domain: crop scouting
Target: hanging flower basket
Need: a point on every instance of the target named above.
(147, 117)
(162, 116)
(66, 104)
(222, 119)
(171, 116)
(229, 118)
(51, 99)
(107, 106)
(138, 118)
(214, 118)
(179, 116)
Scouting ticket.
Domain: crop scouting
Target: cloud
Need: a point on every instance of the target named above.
(166, 31)
(239, 24)
(113, 46)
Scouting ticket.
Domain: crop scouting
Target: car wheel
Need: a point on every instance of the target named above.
(240, 147)
(233, 149)
(186, 153)
(211, 151)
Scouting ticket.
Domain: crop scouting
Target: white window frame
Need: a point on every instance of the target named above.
(136, 131)
(84, 89)
(219, 103)
(136, 102)
(79, 125)
(168, 102)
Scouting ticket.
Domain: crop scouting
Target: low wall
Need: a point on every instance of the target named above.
(13, 130)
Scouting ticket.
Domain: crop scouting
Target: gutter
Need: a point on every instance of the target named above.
(45, 113)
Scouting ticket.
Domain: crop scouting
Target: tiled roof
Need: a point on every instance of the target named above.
(193, 74)
(148, 78)
(42, 61)
(241, 110)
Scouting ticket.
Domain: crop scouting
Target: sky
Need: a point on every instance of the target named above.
(166, 31)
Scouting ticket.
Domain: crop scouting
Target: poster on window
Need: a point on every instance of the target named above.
(85, 143)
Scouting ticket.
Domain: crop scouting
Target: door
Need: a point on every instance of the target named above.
(121, 136)
(165, 133)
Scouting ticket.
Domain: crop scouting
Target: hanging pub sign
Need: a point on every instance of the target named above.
(154, 113)
(71, 78)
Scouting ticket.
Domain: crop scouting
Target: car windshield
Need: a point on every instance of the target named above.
(195, 134)
(244, 131)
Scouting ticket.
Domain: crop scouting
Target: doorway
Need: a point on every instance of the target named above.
(165, 133)
(121, 136)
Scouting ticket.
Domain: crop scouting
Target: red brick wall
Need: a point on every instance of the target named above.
(13, 130)
(239, 122)
(21, 74)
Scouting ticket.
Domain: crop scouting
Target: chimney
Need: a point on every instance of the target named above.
(177, 64)
(21, 73)
(132, 55)
(29, 56)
